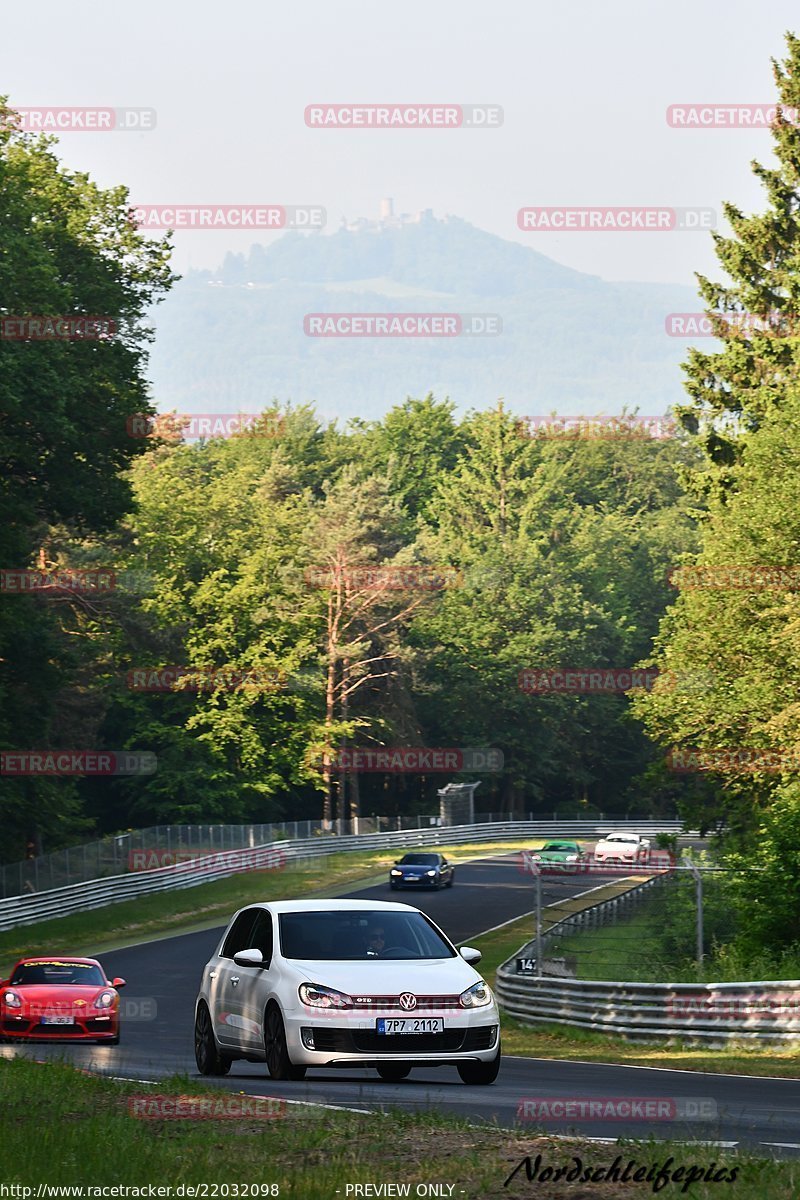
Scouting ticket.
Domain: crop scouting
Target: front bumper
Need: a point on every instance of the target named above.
(31, 1029)
(349, 1043)
(413, 882)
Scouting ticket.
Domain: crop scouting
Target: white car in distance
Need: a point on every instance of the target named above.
(344, 983)
(626, 849)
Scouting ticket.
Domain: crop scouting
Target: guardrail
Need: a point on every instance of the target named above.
(117, 853)
(766, 1011)
(96, 893)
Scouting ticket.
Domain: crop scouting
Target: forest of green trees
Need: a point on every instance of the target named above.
(246, 562)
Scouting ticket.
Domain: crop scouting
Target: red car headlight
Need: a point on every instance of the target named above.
(12, 1000)
(105, 1000)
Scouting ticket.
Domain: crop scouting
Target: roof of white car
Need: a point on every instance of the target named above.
(331, 905)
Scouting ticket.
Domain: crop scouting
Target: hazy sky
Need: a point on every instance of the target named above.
(584, 87)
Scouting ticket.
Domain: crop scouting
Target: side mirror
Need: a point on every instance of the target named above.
(249, 958)
(117, 983)
(470, 954)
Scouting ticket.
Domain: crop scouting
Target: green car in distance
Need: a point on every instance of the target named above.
(560, 856)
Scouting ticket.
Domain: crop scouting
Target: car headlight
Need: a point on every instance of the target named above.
(395, 872)
(572, 858)
(536, 857)
(430, 872)
(12, 1000)
(104, 1000)
(317, 996)
(477, 996)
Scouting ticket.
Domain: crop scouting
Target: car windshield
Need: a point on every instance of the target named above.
(570, 846)
(360, 936)
(621, 837)
(59, 974)
(419, 860)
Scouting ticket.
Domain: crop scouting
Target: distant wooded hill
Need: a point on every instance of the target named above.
(570, 343)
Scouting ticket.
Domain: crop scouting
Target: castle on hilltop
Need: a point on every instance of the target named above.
(387, 219)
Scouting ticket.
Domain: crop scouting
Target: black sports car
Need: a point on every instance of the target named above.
(422, 870)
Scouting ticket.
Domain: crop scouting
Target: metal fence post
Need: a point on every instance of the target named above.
(698, 883)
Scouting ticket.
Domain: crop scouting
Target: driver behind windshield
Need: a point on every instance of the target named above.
(375, 943)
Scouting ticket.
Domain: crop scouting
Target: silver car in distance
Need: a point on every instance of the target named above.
(343, 983)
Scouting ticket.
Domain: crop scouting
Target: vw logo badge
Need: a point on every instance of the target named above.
(408, 1001)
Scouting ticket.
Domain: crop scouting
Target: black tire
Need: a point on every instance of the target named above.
(279, 1065)
(478, 1074)
(393, 1072)
(451, 880)
(111, 1041)
(207, 1055)
(393, 886)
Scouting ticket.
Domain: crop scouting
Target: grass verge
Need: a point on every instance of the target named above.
(64, 1128)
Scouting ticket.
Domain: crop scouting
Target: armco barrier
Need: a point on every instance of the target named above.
(96, 893)
(767, 1011)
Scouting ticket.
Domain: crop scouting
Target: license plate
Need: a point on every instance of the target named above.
(390, 1025)
(57, 1021)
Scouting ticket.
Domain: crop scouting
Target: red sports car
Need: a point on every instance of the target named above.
(70, 999)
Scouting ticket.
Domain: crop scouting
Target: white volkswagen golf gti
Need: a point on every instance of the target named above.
(339, 983)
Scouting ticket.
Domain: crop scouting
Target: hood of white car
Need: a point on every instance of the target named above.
(390, 977)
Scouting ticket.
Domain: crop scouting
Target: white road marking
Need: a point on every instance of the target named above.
(641, 1067)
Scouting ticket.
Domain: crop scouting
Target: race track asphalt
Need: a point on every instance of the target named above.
(162, 985)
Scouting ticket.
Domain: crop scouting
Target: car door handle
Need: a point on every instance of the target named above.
(234, 980)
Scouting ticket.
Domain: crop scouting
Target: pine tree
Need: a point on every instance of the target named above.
(756, 314)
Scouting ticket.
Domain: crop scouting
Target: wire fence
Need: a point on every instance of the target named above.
(674, 931)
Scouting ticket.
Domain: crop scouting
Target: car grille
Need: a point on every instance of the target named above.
(379, 1003)
(367, 1041)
